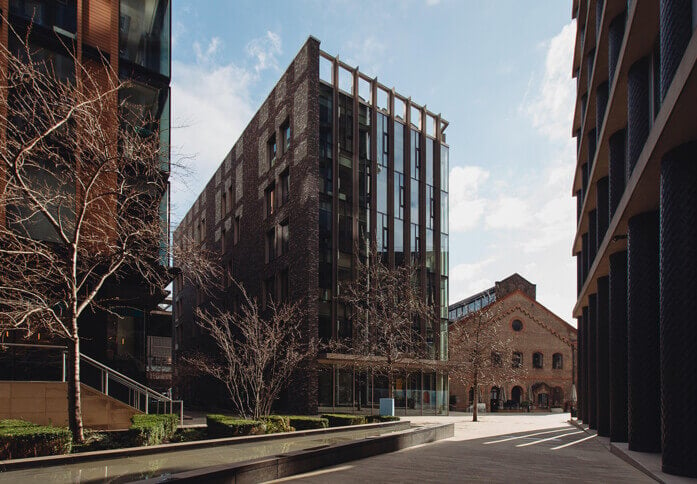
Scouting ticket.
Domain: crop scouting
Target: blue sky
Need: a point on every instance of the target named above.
(498, 71)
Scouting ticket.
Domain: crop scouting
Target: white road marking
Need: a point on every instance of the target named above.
(548, 438)
(526, 436)
(572, 443)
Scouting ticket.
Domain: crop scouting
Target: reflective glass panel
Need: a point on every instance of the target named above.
(144, 34)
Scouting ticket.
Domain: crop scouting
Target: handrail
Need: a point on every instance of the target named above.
(127, 380)
(138, 389)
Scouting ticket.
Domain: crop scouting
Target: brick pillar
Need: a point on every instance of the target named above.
(602, 204)
(618, 347)
(678, 268)
(602, 356)
(643, 375)
(675, 33)
(616, 170)
(586, 370)
(614, 43)
(592, 361)
(637, 111)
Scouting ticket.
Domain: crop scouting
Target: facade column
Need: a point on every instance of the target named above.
(618, 347)
(579, 369)
(637, 111)
(592, 361)
(643, 375)
(678, 269)
(675, 34)
(586, 350)
(616, 170)
(602, 356)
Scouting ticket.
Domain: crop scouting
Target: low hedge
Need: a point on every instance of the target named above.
(225, 426)
(153, 429)
(342, 419)
(277, 424)
(20, 439)
(303, 422)
(381, 418)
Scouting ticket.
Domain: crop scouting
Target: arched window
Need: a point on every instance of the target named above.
(537, 360)
(517, 360)
(496, 359)
(557, 361)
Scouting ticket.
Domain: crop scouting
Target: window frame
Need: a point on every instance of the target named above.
(538, 365)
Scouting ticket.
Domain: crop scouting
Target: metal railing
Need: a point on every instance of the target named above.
(127, 390)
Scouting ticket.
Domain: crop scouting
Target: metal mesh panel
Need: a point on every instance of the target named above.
(637, 111)
(602, 204)
(618, 347)
(643, 404)
(678, 309)
(602, 357)
(592, 362)
(616, 170)
(615, 36)
(676, 30)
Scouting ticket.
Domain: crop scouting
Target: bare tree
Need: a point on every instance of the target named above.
(389, 313)
(481, 352)
(259, 350)
(82, 174)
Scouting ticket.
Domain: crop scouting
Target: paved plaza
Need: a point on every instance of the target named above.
(498, 448)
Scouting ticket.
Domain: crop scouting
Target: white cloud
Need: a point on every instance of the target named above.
(551, 106)
(508, 213)
(466, 204)
(366, 52)
(468, 279)
(211, 105)
(431, 3)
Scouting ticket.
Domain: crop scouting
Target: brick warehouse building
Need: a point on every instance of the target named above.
(298, 191)
(636, 242)
(544, 344)
(133, 37)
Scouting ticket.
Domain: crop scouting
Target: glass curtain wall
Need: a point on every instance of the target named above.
(399, 194)
(144, 34)
(345, 208)
(415, 158)
(444, 250)
(325, 213)
(382, 229)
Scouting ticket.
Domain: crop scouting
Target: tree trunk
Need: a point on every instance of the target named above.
(390, 383)
(475, 413)
(74, 399)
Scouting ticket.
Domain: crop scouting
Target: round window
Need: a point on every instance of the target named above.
(517, 325)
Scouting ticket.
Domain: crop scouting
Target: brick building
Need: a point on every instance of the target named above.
(543, 343)
(331, 161)
(635, 184)
(133, 38)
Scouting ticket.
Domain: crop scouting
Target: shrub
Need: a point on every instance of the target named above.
(302, 422)
(226, 426)
(277, 423)
(153, 429)
(190, 435)
(381, 418)
(20, 439)
(341, 419)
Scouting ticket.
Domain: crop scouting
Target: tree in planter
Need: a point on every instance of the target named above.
(481, 352)
(259, 350)
(387, 311)
(81, 182)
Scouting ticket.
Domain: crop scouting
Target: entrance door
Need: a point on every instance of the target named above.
(516, 394)
(494, 399)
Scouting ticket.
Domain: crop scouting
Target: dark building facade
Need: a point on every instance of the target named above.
(133, 37)
(636, 245)
(333, 160)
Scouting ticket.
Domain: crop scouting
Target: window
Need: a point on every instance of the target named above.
(222, 241)
(557, 361)
(144, 33)
(496, 359)
(517, 360)
(537, 360)
(285, 132)
(269, 291)
(272, 149)
(517, 325)
(285, 187)
(284, 237)
(269, 199)
(223, 204)
(236, 230)
(202, 230)
(270, 245)
(228, 208)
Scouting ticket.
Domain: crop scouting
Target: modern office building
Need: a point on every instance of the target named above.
(636, 242)
(133, 38)
(332, 161)
(543, 344)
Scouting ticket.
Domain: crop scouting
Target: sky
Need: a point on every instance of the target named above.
(500, 74)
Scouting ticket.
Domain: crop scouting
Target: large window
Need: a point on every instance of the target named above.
(284, 237)
(270, 199)
(557, 361)
(144, 34)
(47, 13)
(517, 360)
(270, 245)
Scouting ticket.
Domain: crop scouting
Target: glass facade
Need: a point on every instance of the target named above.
(144, 34)
(405, 169)
(47, 13)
